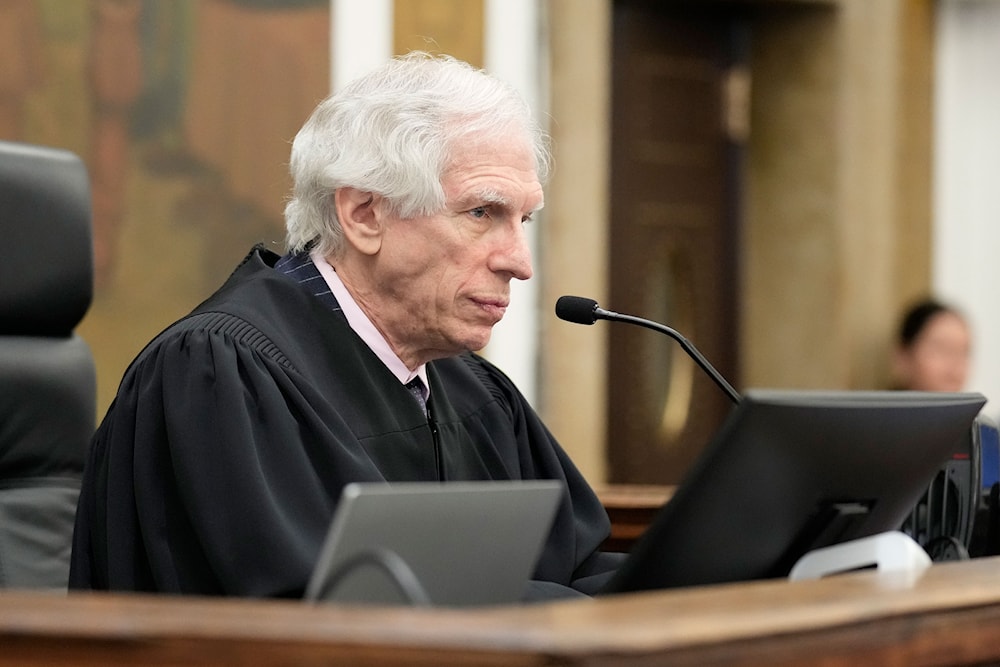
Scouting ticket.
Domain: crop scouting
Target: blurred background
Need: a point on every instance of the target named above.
(776, 179)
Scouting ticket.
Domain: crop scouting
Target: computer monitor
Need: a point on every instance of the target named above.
(792, 471)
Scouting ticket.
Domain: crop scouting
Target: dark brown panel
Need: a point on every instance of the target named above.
(673, 240)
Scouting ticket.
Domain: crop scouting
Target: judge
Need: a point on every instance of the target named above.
(349, 359)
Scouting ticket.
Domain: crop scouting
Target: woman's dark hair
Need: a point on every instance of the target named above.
(917, 317)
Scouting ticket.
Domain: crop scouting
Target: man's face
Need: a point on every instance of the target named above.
(443, 280)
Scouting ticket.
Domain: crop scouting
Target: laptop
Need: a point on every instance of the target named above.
(454, 544)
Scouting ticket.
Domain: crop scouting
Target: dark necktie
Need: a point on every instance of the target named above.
(416, 387)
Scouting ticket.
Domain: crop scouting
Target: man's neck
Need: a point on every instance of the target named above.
(363, 325)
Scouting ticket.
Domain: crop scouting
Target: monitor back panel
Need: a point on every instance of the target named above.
(466, 543)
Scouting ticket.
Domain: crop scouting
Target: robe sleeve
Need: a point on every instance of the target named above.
(209, 472)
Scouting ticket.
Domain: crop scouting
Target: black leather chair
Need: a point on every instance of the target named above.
(952, 519)
(47, 376)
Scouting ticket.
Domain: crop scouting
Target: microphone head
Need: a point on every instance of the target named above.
(578, 309)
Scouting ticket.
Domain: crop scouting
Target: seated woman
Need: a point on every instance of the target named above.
(933, 348)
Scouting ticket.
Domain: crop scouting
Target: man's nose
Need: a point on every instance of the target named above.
(514, 254)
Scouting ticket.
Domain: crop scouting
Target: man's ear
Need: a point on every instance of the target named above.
(360, 219)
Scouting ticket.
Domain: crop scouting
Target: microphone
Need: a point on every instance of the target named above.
(582, 310)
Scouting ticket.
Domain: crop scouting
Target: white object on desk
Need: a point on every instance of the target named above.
(889, 551)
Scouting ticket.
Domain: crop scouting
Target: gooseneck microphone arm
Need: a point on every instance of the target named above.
(581, 310)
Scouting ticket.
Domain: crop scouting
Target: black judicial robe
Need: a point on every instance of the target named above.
(220, 462)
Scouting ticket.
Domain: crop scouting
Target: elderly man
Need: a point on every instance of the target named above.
(350, 358)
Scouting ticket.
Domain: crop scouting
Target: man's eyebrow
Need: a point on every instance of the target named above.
(493, 197)
(489, 196)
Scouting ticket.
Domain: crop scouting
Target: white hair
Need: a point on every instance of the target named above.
(392, 133)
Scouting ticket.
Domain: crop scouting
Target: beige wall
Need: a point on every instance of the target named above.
(837, 210)
(574, 231)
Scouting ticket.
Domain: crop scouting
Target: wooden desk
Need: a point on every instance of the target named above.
(631, 508)
(948, 616)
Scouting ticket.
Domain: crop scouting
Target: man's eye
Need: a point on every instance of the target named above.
(479, 212)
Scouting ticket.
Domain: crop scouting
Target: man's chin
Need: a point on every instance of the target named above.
(478, 343)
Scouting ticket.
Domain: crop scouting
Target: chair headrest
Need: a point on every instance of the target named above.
(46, 274)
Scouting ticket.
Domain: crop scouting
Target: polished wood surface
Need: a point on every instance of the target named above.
(948, 615)
(631, 508)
